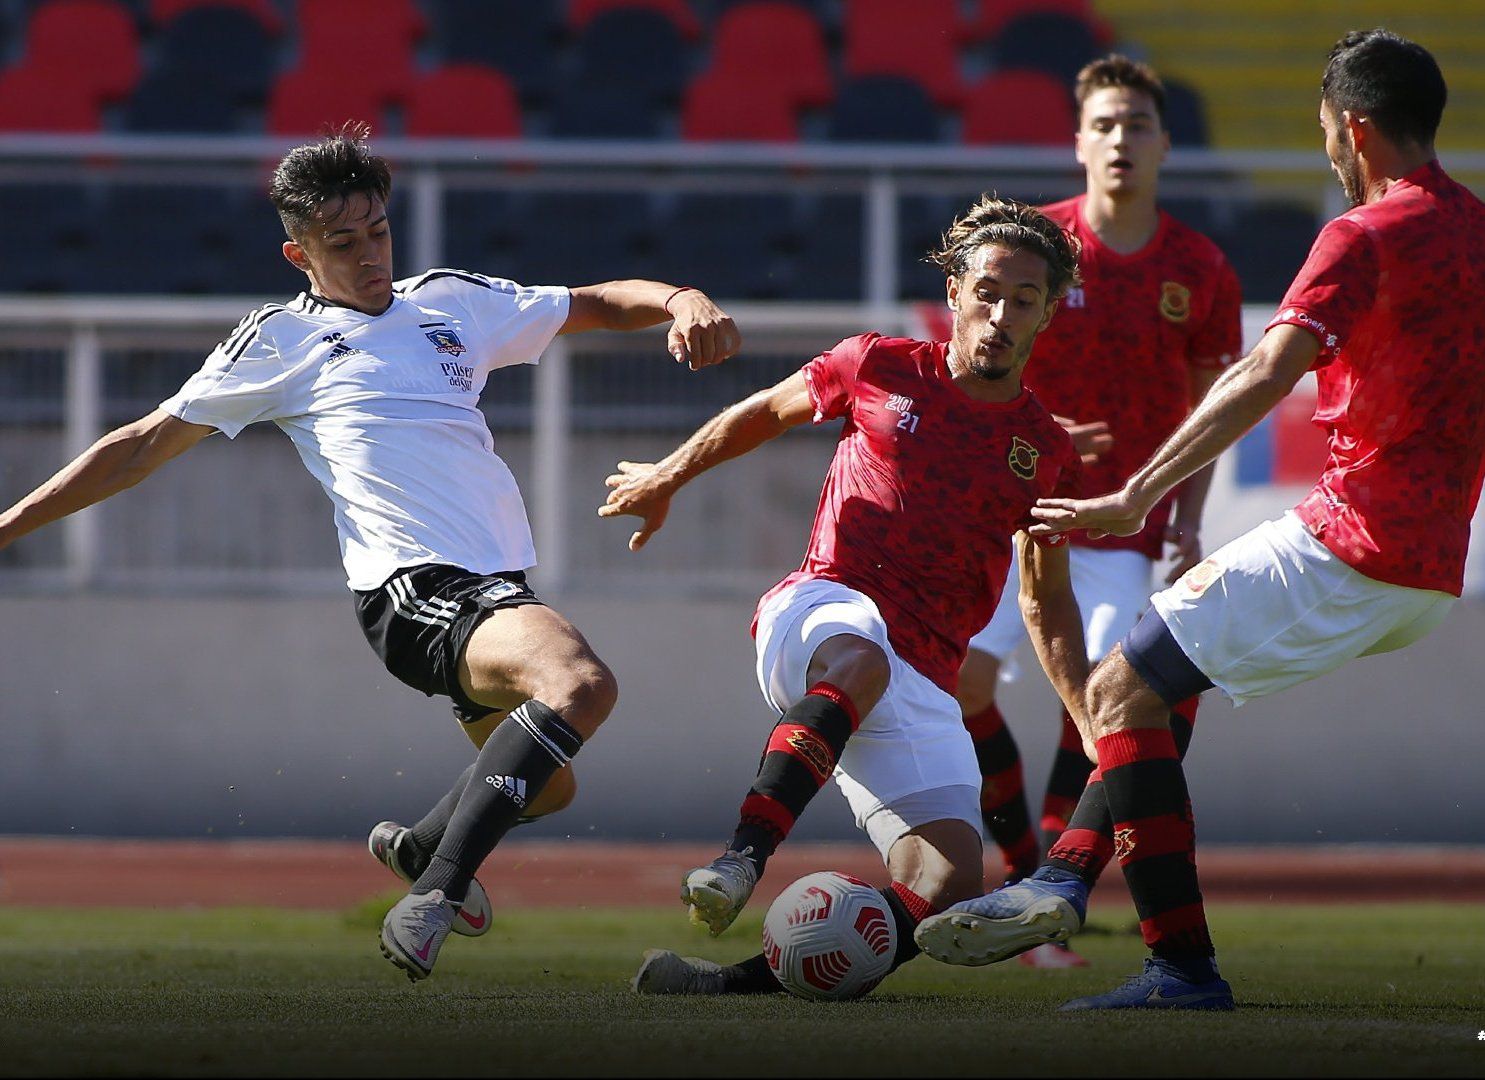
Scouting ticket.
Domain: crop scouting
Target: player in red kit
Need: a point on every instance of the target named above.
(1370, 561)
(1156, 319)
(942, 455)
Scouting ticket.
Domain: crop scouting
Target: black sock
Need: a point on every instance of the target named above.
(426, 834)
(518, 759)
(801, 753)
(752, 976)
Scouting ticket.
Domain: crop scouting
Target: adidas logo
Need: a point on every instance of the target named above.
(512, 786)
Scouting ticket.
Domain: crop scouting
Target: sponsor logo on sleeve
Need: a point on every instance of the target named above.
(1197, 580)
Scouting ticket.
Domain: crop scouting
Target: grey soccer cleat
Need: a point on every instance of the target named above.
(717, 892)
(392, 845)
(415, 929)
(665, 972)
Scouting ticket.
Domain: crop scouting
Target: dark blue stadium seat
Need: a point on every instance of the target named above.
(637, 53)
(829, 262)
(1051, 41)
(153, 239)
(1268, 245)
(212, 63)
(47, 233)
(581, 111)
(921, 223)
(730, 245)
(514, 36)
(1185, 114)
(482, 231)
(883, 109)
(581, 237)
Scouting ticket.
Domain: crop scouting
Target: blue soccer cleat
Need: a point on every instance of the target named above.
(1160, 986)
(1008, 921)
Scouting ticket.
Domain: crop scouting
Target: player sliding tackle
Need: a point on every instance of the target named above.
(941, 458)
(1370, 561)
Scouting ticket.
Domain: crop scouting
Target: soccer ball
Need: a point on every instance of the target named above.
(829, 937)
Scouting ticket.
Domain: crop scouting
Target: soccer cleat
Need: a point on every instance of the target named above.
(414, 931)
(717, 892)
(392, 845)
(1052, 956)
(1160, 986)
(664, 972)
(1004, 923)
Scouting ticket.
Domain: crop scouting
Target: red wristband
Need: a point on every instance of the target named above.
(672, 296)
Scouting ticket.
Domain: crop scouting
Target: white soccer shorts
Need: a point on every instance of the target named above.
(1276, 607)
(911, 761)
(1113, 589)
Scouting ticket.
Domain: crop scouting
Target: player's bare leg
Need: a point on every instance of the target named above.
(532, 663)
(847, 676)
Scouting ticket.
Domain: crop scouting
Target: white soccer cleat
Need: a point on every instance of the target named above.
(391, 845)
(717, 892)
(665, 972)
(414, 931)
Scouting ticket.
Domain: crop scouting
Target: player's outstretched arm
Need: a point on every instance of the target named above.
(119, 460)
(1050, 611)
(644, 489)
(701, 333)
(1244, 395)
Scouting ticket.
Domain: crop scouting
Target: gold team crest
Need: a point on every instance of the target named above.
(1023, 458)
(1175, 301)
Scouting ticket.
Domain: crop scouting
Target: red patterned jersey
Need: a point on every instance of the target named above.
(927, 487)
(1120, 348)
(1391, 289)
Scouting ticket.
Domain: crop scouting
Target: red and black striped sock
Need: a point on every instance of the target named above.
(1155, 840)
(1065, 784)
(1003, 791)
(801, 753)
(1086, 845)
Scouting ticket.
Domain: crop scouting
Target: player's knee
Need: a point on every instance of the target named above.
(1102, 701)
(858, 667)
(582, 692)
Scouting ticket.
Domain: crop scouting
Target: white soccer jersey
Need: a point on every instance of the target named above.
(383, 411)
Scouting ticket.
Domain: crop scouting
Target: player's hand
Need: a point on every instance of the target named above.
(1117, 514)
(702, 333)
(1091, 440)
(1185, 550)
(637, 489)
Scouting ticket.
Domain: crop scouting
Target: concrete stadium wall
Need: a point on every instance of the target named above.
(227, 716)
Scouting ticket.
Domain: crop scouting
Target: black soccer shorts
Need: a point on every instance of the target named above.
(421, 618)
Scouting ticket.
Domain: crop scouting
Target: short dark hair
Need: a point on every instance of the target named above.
(1394, 81)
(1015, 225)
(335, 167)
(1117, 69)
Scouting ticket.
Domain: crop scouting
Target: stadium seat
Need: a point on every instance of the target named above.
(633, 52)
(42, 98)
(1019, 108)
(515, 37)
(722, 105)
(306, 101)
(152, 239)
(883, 109)
(829, 262)
(91, 41)
(1054, 42)
(168, 101)
(582, 12)
(583, 237)
(1268, 245)
(47, 224)
(482, 231)
(991, 16)
(918, 41)
(921, 222)
(189, 88)
(368, 42)
(731, 243)
(618, 112)
(1185, 114)
(462, 100)
(162, 12)
(777, 47)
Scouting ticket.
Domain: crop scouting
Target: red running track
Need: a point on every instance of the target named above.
(337, 874)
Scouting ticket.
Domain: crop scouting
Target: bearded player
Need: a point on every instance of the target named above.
(942, 454)
(1156, 319)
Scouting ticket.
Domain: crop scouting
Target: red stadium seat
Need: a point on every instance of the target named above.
(776, 48)
(719, 107)
(918, 41)
(163, 11)
(369, 41)
(463, 100)
(581, 12)
(42, 99)
(92, 41)
(312, 99)
(1019, 107)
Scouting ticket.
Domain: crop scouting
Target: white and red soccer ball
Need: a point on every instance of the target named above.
(829, 937)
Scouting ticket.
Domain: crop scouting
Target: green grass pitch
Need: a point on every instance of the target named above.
(1344, 991)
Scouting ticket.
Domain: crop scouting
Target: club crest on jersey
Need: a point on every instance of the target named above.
(1023, 457)
(1200, 577)
(446, 341)
(1175, 301)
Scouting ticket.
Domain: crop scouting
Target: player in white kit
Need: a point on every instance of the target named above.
(377, 384)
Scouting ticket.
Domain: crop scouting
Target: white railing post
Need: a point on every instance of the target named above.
(82, 424)
(427, 220)
(550, 445)
(880, 246)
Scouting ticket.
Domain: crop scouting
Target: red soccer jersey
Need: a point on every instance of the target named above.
(1390, 289)
(927, 487)
(1121, 347)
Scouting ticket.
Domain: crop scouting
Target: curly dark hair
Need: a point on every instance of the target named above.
(333, 168)
(1117, 69)
(1015, 225)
